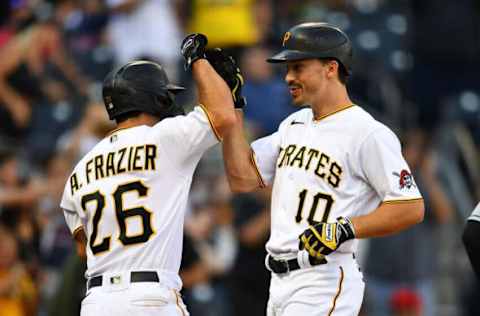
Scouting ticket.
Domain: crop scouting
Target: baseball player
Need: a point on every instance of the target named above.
(471, 239)
(125, 200)
(337, 175)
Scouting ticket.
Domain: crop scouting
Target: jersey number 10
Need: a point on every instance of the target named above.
(122, 216)
(328, 206)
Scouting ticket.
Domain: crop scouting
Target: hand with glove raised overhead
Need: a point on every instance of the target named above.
(193, 48)
(227, 68)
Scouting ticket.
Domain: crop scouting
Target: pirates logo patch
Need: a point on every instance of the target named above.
(405, 179)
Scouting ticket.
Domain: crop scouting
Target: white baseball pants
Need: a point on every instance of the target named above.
(132, 299)
(332, 289)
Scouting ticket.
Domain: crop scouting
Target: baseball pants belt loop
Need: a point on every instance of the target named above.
(285, 266)
(135, 276)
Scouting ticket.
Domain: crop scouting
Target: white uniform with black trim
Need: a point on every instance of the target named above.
(345, 164)
(129, 195)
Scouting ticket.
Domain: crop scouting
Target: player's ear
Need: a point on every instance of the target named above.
(332, 68)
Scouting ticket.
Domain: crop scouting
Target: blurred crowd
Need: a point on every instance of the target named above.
(416, 65)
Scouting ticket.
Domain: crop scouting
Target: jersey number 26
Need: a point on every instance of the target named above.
(121, 214)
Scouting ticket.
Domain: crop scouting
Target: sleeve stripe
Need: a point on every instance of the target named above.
(77, 230)
(217, 134)
(402, 201)
(255, 166)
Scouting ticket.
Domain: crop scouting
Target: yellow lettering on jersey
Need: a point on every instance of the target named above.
(88, 169)
(299, 157)
(136, 158)
(335, 173)
(119, 163)
(98, 167)
(74, 186)
(322, 163)
(311, 153)
(110, 169)
(150, 156)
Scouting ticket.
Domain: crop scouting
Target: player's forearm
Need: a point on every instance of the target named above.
(214, 94)
(240, 167)
(388, 218)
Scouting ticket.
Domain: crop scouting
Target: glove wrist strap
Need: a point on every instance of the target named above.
(347, 231)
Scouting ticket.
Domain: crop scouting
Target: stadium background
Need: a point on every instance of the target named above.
(416, 66)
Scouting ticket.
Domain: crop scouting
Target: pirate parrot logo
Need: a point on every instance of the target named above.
(405, 179)
(286, 37)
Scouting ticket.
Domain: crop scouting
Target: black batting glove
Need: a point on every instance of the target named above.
(322, 239)
(193, 48)
(227, 68)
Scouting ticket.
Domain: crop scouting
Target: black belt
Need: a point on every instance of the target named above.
(284, 266)
(135, 276)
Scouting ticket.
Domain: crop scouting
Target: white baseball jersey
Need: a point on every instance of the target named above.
(475, 216)
(129, 195)
(344, 164)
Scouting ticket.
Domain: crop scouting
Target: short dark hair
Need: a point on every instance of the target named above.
(342, 72)
(125, 116)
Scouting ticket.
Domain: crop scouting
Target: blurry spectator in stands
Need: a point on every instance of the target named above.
(18, 196)
(19, 16)
(23, 62)
(249, 280)
(409, 260)
(55, 239)
(437, 63)
(139, 28)
(18, 295)
(405, 302)
(268, 100)
(196, 291)
(58, 113)
(231, 25)
(92, 128)
(83, 24)
(210, 229)
(71, 290)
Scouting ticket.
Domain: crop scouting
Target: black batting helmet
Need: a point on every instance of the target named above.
(315, 40)
(141, 86)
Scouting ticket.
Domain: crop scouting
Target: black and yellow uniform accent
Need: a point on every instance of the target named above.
(74, 184)
(104, 245)
(118, 129)
(215, 131)
(140, 158)
(334, 112)
(402, 201)
(339, 290)
(302, 157)
(123, 214)
(257, 171)
(329, 200)
(178, 302)
(77, 231)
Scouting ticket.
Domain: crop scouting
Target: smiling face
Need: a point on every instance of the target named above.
(308, 80)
